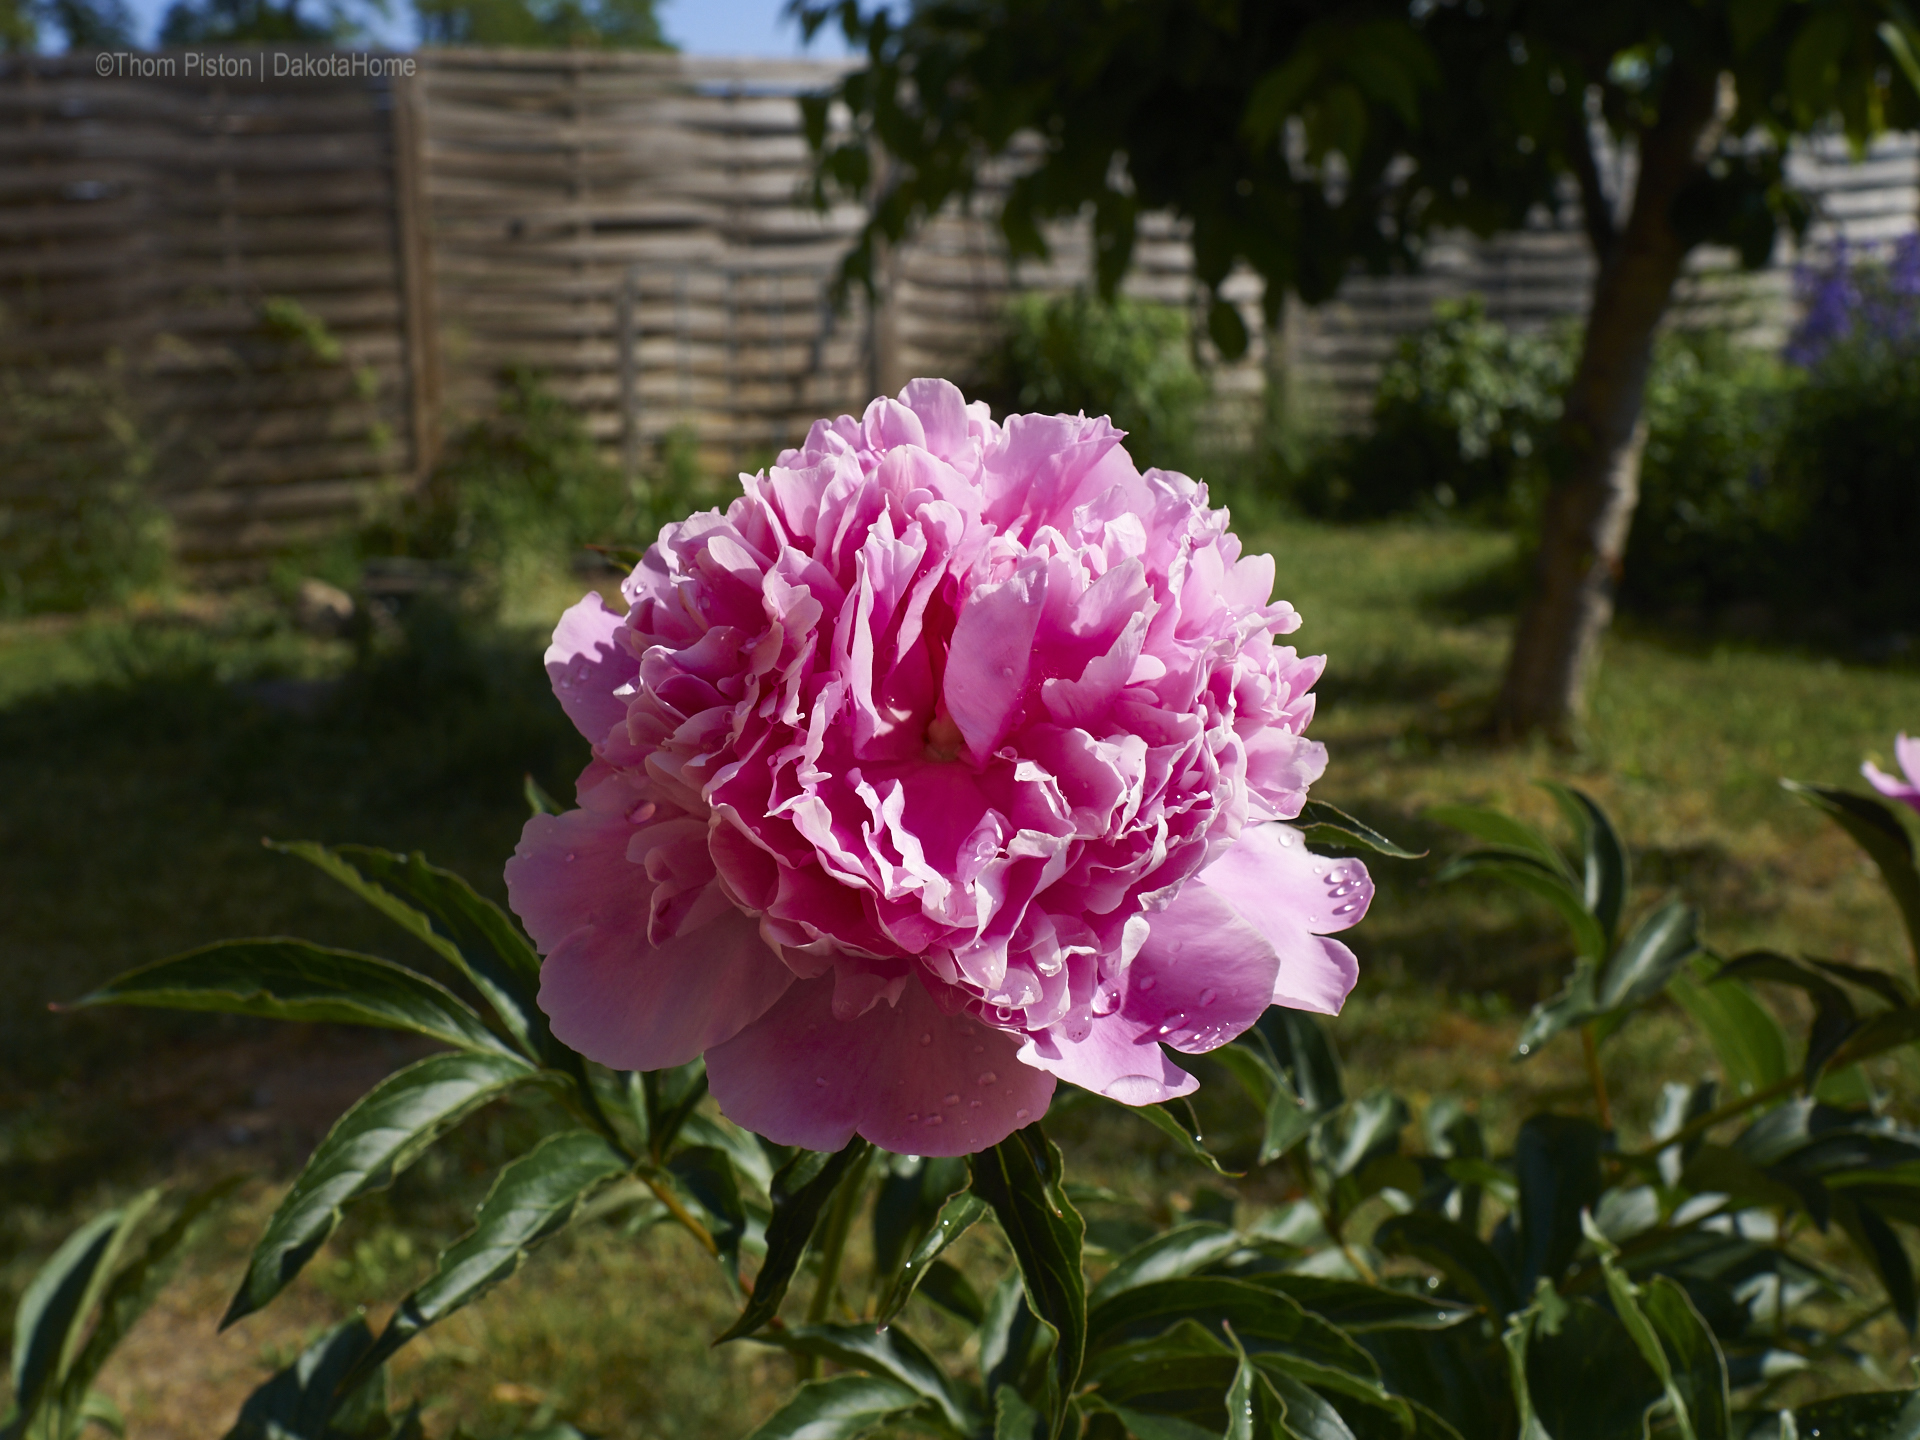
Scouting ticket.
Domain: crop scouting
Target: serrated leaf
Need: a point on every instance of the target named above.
(800, 1191)
(531, 1198)
(1329, 824)
(385, 1131)
(843, 1408)
(293, 980)
(1180, 1251)
(445, 913)
(1523, 872)
(1503, 831)
(889, 1352)
(1876, 829)
(1020, 1179)
(1604, 869)
(957, 1216)
(1456, 1252)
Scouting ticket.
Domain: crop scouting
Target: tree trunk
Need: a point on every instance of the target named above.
(1583, 528)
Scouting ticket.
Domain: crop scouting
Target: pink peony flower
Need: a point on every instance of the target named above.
(1907, 752)
(951, 759)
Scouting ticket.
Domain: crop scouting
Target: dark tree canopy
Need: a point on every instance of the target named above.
(543, 24)
(1312, 138)
(79, 24)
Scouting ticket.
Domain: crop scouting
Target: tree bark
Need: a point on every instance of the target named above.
(1583, 527)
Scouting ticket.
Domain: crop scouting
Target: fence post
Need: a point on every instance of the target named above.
(629, 378)
(416, 270)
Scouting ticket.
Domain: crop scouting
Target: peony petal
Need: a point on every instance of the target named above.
(1907, 752)
(1122, 1062)
(991, 652)
(1277, 885)
(586, 667)
(908, 1077)
(1317, 973)
(634, 1006)
(1202, 977)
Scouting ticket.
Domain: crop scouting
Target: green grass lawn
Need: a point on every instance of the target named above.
(144, 758)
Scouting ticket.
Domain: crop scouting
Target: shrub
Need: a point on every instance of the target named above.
(77, 524)
(1462, 414)
(1131, 360)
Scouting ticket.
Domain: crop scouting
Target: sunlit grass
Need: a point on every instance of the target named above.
(142, 764)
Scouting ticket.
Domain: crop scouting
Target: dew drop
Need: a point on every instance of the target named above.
(1319, 869)
(979, 1049)
(912, 1116)
(953, 1099)
(1526, 1049)
(569, 857)
(1022, 1113)
(1286, 838)
(973, 1104)
(987, 1077)
(821, 1081)
(1147, 982)
(1209, 995)
(926, 1037)
(935, 1120)
(1006, 672)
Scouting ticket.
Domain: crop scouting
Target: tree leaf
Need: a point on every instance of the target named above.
(1875, 828)
(318, 1396)
(1706, 1388)
(1604, 877)
(890, 1352)
(1573, 1006)
(1502, 831)
(445, 913)
(1650, 957)
(532, 1197)
(1525, 873)
(843, 1408)
(1876, 1240)
(706, 1173)
(1834, 1017)
(1556, 1159)
(1255, 1410)
(800, 1191)
(957, 1216)
(1180, 1251)
(1456, 1252)
(1359, 1308)
(1259, 1317)
(1699, 1370)
(1327, 824)
(1586, 1378)
(1020, 1178)
(950, 1289)
(1249, 1060)
(293, 980)
(1887, 1031)
(1304, 1054)
(385, 1131)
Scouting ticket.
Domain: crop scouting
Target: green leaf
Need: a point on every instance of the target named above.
(1524, 872)
(1260, 1317)
(1650, 957)
(1020, 1178)
(299, 1402)
(1688, 1364)
(1902, 49)
(531, 1198)
(706, 1173)
(1876, 1240)
(1604, 877)
(444, 912)
(1874, 827)
(131, 1292)
(1813, 60)
(1329, 825)
(1143, 1425)
(843, 1408)
(385, 1131)
(910, 1194)
(1456, 1252)
(47, 1323)
(1884, 1032)
(1504, 832)
(1586, 1378)
(1358, 1308)
(1573, 1006)
(293, 980)
(1184, 1132)
(1180, 1251)
(1751, 20)
(1255, 1410)
(1746, 1039)
(956, 1217)
(1301, 1413)
(539, 802)
(1287, 1121)
(890, 1352)
(1184, 1370)
(1556, 1159)
(800, 1191)
(1304, 1054)
(1014, 1418)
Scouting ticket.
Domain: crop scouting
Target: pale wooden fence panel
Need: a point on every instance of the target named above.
(631, 226)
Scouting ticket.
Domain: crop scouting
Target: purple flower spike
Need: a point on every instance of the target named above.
(951, 760)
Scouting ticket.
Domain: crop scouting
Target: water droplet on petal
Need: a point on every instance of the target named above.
(973, 1104)
(1006, 672)
(953, 1099)
(1147, 982)
(569, 857)
(1022, 1113)
(912, 1116)
(821, 1081)
(935, 1120)
(926, 1037)
(1286, 838)
(987, 1077)
(1209, 995)
(979, 1049)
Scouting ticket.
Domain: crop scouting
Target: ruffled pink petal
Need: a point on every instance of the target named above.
(571, 870)
(1124, 1062)
(1907, 752)
(991, 653)
(1317, 973)
(635, 1006)
(1202, 977)
(586, 666)
(907, 1076)
(1277, 885)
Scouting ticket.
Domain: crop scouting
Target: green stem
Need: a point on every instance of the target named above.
(1597, 1076)
(1784, 1085)
(833, 1246)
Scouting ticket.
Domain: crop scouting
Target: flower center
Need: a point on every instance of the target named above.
(944, 740)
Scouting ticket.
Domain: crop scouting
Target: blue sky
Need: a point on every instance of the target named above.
(700, 27)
